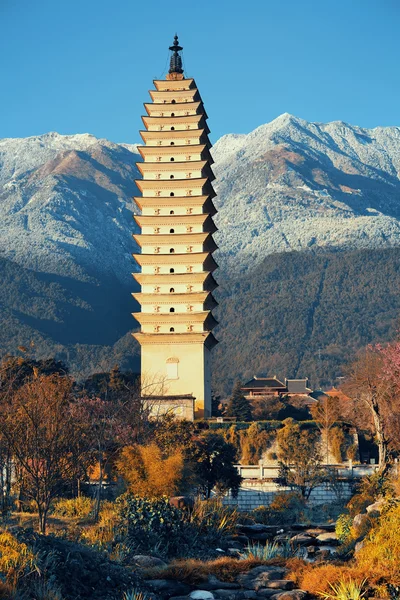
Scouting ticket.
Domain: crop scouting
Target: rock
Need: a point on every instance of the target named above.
(290, 595)
(266, 593)
(256, 578)
(237, 538)
(327, 538)
(311, 550)
(234, 552)
(375, 509)
(148, 562)
(358, 546)
(213, 583)
(314, 531)
(202, 595)
(360, 521)
(182, 501)
(250, 594)
(250, 530)
(302, 539)
(229, 594)
(168, 587)
(280, 584)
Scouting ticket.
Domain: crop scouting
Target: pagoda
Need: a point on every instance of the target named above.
(176, 242)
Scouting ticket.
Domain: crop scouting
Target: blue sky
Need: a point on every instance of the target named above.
(76, 66)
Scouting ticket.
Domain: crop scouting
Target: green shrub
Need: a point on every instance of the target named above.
(154, 526)
(73, 507)
(343, 528)
(151, 524)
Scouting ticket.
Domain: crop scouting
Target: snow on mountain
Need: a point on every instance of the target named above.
(65, 204)
(291, 185)
(65, 201)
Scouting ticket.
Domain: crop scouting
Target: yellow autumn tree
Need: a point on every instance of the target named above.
(148, 473)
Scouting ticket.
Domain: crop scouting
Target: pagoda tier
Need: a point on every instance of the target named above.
(189, 282)
(151, 154)
(157, 205)
(176, 239)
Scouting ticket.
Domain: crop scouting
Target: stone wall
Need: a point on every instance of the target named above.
(259, 491)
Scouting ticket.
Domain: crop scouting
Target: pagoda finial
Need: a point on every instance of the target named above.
(175, 63)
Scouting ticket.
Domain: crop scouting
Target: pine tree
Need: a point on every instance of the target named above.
(239, 407)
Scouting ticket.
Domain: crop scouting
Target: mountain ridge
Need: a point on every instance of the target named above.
(289, 192)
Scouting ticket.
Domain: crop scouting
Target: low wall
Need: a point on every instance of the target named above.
(260, 488)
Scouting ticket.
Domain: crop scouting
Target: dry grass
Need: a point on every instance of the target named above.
(318, 579)
(194, 571)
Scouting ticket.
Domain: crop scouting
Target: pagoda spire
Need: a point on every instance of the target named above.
(175, 63)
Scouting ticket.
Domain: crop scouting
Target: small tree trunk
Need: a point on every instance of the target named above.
(380, 436)
(98, 492)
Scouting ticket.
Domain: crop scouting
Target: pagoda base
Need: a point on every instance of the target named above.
(171, 369)
(181, 407)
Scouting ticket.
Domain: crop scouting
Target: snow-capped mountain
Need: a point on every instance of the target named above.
(66, 242)
(66, 204)
(291, 185)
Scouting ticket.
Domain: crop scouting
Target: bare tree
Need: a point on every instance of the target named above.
(371, 391)
(42, 437)
(326, 413)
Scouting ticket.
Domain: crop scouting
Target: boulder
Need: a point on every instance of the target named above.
(230, 594)
(280, 584)
(213, 583)
(266, 593)
(257, 578)
(256, 528)
(302, 539)
(202, 595)
(290, 595)
(168, 587)
(327, 538)
(358, 546)
(375, 509)
(360, 521)
(314, 531)
(250, 594)
(143, 561)
(182, 501)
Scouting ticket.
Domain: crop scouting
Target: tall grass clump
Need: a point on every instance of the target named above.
(79, 508)
(213, 515)
(345, 590)
(270, 550)
(135, 594)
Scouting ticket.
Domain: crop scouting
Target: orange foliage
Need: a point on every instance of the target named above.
(317, 579)
(147, 473)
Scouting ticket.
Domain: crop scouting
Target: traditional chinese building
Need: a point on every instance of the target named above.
(176, 243)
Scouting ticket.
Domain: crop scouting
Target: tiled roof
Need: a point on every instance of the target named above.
(264, 382)
(297, 386)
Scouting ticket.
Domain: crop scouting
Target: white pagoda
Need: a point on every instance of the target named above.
(176, 242)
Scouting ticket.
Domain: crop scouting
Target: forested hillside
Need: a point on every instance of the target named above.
(301, 314)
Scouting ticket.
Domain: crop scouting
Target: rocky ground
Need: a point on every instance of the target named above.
(315, 543)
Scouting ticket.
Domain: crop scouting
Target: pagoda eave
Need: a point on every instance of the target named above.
(203, 277)
(206, 338)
